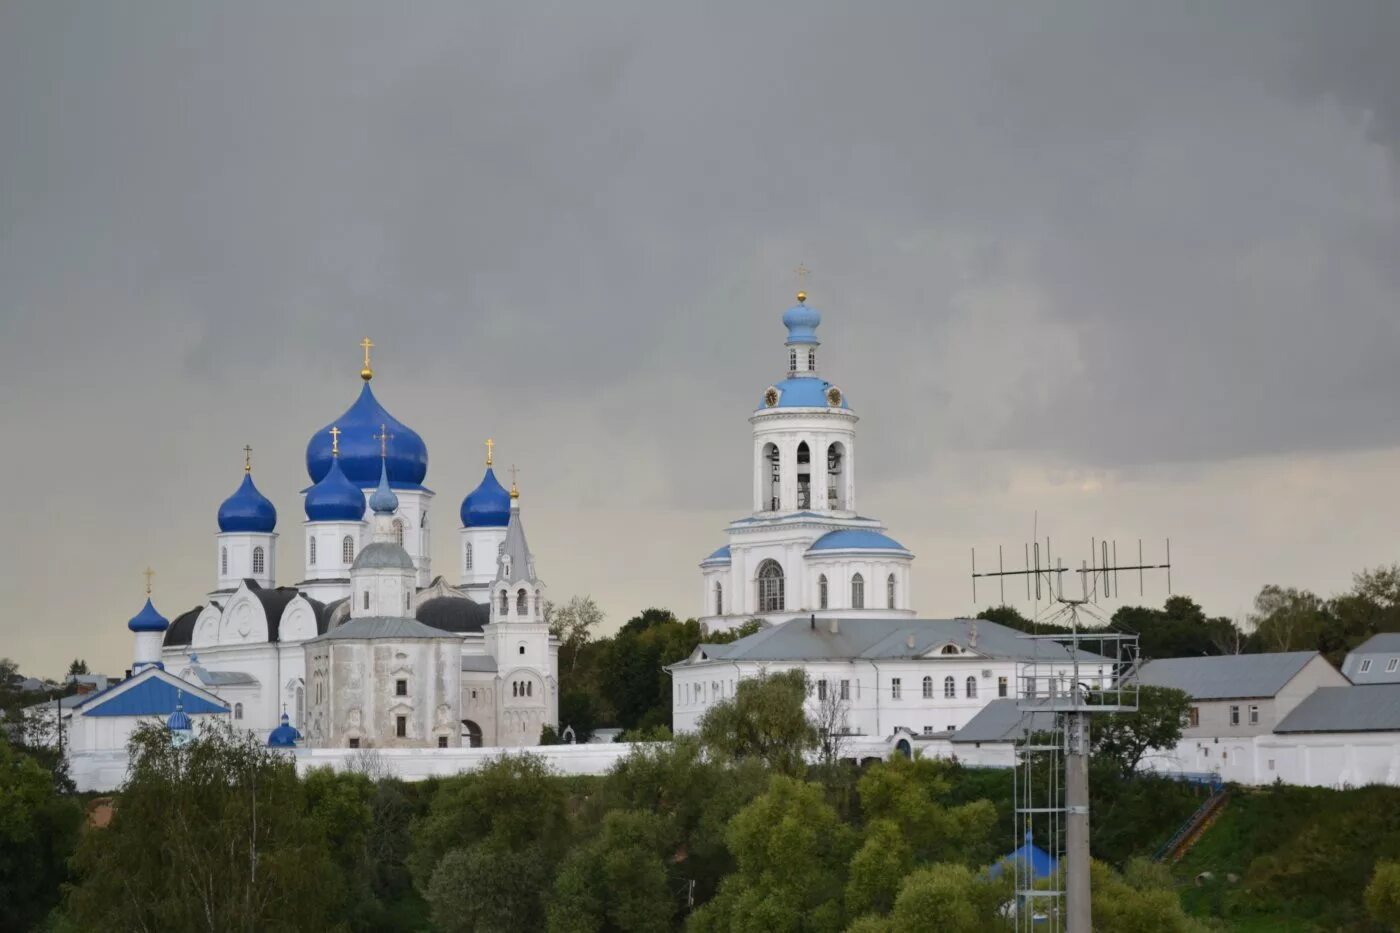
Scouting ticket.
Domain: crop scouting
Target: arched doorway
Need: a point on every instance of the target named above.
(471, 734)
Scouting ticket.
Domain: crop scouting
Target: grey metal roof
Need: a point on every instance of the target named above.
(224, 678)
(882, 639)
(1226, 677)
(1372, 708)
(515, 552)
(478, 662)
(382, 555)
(1379, 650)
(1003, 721)
(453, 614)
(382, 627)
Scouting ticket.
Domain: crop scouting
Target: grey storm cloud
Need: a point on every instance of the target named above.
(1106, 236)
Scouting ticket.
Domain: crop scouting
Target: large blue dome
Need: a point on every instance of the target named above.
(335, 498)
(148, 620)
(486, 506)
(407, 459)
(247, 510)
(802, 323)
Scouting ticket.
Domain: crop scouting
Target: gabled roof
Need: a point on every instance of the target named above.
(224, 678)
(151, 692)
(1226, 677)
(478, 662)
(880, 639)
(1003, 720)
(1370, 708)
(382, 627)
(1379, 650)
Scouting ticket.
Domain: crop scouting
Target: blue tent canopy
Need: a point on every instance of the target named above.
(1041, 863)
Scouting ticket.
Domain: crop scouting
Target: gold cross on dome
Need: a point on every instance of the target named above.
(335, 440)
(247, 459)
(148, 573)
(514, 488)
(367, 373)
(802, 273)
(490, 446)
(383, 437)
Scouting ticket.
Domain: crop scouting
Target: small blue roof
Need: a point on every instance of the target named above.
(284, 736)
(848, 538)
(488, 505)
(153, 696)
(384, 501)
(1041, 863)
(802, 322)
(335, 498)
(179, 721)
(148, 620)
(721, 554)
(803, 392)
(247, 509)
(359, 447)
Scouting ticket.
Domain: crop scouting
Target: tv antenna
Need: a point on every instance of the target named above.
(1099, 575)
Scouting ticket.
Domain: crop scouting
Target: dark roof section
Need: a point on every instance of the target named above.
(274, 602)
(453, 614)
(181, 631)
(1228, 676)
(324, 612)
(1372, 708)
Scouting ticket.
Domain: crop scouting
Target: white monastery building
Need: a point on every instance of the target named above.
(832, 589)
(369, 649)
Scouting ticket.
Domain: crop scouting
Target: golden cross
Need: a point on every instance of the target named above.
(335, 440)
(383, 437)
(247, 459)
(802, 273)
(367, 373)
(148, 574)
(490, 446)
(514, 489)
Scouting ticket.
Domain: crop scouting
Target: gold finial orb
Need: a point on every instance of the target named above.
(801, 297)
(514, 489)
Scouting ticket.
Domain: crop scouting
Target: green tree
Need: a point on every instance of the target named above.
(573, 624)
(1383, 894)
(617, 881)
(78, 666)
(945, 898)
(490, 887)
(791, 850)
(1287, 619)
(765, 720)
(38, 831)
(212, 836)
(877, 869)
(1142, 900)
(911, 794)
(1125, 738)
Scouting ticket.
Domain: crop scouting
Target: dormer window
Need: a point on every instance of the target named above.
(1365, 665)
(950, 649)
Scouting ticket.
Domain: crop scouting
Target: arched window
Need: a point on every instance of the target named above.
(522, 603)
(949, 649)
(500, 549)
(972, 688)
(238, 711)
(812, 360)
(311, 552)
(889, 591)
(792, 359)
(928, 688)
(259, 560)
(529, 688)
(719, 598)
(347, 549)
(835, 487)
(770, 587)
(804, 476)
(366, 600)
(407, 601)
(823, 598)
(223, 561)
(505, 603)
(467, 558)
(950, 688)
(515, 688)
(775, 466)
(398, 532)
(857, 592)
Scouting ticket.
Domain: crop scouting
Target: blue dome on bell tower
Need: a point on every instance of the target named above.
(247, 509)
(802, 322)
(488, 505)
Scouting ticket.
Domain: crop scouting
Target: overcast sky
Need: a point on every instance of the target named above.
(1129, 266)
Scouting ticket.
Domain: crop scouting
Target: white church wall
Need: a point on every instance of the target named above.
(419, 764)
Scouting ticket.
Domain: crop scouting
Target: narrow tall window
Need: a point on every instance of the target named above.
(972, 688)
(1391, 665)
(821, 690)
(804, 476)
(889, 592)
(1234, 715)
(366, 600)
(467, 561)
(792, 359)
(719, 598)
(1001, 686)
(775, 477)
(845, 689)
(529, 688)
(258, 561)
(407, 602)
(857, 592)
(522, 603)
(347, 549)
(238, 711)
(223, 561)
(500, 549)
(1253, 715)
(770, 587)
(398, 532)
(822, 596)
(812, 360)
(311, 552)
(894, 688)
(950, 688)
(505, 603)
(835, 484)
(401, 726)
(928, 688)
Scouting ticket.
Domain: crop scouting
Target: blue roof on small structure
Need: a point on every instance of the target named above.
(803, 392)
(855, 538)
(153, 696)
(284, 736)
(1041, 863)
(720, 554)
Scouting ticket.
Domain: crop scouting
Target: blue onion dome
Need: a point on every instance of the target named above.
(802, 322)
(148, 620)
(488, 505)
(179, 721)
(384, 501)
(284, 736)
(247, 509)
(407, 459)
(335, 498)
